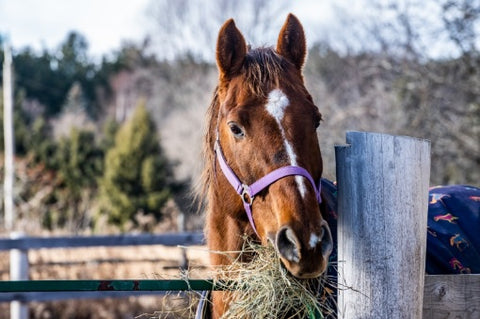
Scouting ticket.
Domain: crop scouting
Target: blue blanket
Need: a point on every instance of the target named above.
(453, 237)
(453, 231)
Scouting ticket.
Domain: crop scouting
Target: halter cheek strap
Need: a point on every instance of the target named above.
(247, 192)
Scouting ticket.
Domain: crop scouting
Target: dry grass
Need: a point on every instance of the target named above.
(265, 288)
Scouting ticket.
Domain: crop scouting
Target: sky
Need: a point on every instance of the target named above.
(105, 23)
(45, 23)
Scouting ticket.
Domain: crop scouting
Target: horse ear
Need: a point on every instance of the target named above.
(291, 42)
(231, 49)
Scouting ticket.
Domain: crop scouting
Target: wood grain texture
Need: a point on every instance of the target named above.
(382, 219)
(452, 297)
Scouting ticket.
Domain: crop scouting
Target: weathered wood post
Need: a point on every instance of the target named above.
(383, 185)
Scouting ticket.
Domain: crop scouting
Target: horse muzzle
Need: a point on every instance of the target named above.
(304, 255)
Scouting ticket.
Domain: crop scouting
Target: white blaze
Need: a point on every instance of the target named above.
(314, 240)
(276, 105)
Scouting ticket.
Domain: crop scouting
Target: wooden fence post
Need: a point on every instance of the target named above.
(18, 271)
(383, 185)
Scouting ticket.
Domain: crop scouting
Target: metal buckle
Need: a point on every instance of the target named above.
(247, 198)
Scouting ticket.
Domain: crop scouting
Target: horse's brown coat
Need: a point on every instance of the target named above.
(246, 78)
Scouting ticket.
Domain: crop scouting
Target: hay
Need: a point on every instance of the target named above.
(181, 305)
(175, 304)
(263, 288)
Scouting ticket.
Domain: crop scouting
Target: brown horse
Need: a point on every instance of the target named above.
(261, 132)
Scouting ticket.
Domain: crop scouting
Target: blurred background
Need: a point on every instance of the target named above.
(110, 96)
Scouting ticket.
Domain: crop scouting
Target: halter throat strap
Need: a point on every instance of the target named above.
(247, 192)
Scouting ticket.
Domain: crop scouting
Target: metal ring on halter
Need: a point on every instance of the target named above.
(246, 196)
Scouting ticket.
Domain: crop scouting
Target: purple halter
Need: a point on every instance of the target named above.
(248, 192)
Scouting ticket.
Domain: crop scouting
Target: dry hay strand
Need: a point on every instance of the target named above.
(263, 288)
(175, 306)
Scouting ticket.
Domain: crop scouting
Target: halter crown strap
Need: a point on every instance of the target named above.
(248, 192)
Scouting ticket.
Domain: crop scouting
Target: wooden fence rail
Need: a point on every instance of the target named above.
(26, 297)
(19, 245)
(451, 297)
(168, 239)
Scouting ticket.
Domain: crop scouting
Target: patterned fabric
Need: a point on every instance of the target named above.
(329, 199)
(453, 231)
(329, 293)
(453, 237)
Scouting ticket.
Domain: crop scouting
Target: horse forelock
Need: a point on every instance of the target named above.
(262, 69)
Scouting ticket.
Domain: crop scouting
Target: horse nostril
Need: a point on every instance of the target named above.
(326, 239)
(288, 245)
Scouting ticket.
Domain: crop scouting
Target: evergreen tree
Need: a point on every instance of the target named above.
(41, 146)
(137, 176)
(78, 164)
(109, 130)
(80, 160)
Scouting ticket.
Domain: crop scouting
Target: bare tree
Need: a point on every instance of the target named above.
(398, 65)
(190, 26)
(462, 22)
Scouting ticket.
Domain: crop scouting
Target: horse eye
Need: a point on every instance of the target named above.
(236, 130)
(317, 119)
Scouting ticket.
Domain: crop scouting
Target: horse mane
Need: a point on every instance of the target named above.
(262, 69)
(202, 189)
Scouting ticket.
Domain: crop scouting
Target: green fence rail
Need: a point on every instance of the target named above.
(107, 286)
(104, 285)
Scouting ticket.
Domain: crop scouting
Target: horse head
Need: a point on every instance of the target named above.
(264, 123)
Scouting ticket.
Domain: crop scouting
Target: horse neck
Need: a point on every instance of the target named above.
(226, 220)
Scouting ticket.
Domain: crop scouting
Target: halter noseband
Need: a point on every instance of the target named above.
(247, 192)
